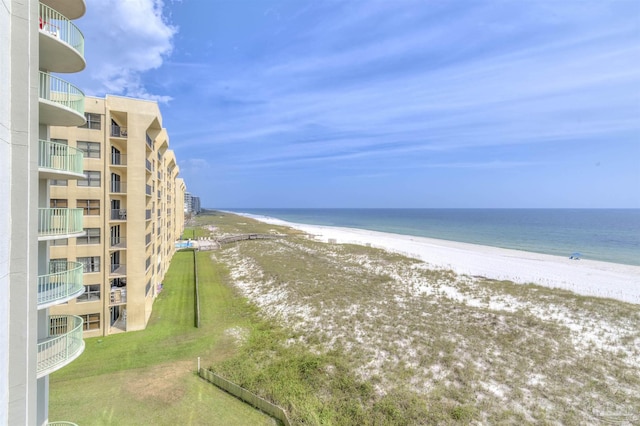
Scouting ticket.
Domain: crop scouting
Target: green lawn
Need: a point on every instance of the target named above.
(148, 377)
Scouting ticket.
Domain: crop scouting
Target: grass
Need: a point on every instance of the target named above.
(147, 377)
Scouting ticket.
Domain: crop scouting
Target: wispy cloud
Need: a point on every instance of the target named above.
(126, 40)
(372, 88)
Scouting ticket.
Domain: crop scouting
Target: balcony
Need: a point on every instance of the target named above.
(61, 42)
(59, 161)
(118, 296)
(118, 159)
(119, 214)
(117, 270)
(118, 131)
(72, 9)
(117, 243)
(117, 187)
(62, 345)
(61, 103)
(63, 282)
(54, 223)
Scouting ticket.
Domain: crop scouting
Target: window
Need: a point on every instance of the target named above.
(91, 294)
(91, 178)
(58, 182)
(147, 288)
(147, 263)
(61, 242)
(93, 121)
(92, 237)
(90, 149)
(89, 207)
(91, 264)
(58, 203)
(90, 322)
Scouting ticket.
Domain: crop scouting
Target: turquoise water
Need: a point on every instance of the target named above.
(611, 235)
(184, 244)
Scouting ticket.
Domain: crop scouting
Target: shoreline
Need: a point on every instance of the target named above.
(585, 277)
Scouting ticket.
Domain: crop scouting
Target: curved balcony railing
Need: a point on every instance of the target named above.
(53, 222)
(62, 345)
(57, 25)
(57, 156)
(61, 92)
(61, 424)
(63, 282)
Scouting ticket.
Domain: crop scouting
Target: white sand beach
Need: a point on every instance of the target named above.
(586, 277)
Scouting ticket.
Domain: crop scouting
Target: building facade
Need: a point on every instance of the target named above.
(36, 39)
(191, 204)
(131, 202)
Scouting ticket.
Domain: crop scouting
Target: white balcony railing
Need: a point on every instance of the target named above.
(54, 222)
(57, 156)
(62, 345)
(61, 92)
(63, 282)
(57, 25)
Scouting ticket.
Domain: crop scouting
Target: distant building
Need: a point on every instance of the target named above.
(196, 205)
(191, 204)
(188, 203)
(130, 201)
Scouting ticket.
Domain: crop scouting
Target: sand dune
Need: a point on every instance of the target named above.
(586, 277)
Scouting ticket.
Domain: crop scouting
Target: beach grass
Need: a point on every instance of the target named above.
(431, 345)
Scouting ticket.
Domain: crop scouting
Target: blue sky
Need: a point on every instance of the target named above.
(370, 103)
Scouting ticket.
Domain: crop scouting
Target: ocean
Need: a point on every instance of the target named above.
(610, 235)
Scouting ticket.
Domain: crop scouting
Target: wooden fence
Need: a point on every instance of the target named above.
(243, 394)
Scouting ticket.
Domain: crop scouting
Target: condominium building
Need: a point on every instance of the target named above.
(131, 204)
(195, 206)
(191, 204)
(188, 203)
(36, 38)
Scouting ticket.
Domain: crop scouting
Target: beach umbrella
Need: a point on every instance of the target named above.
(575, 256)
